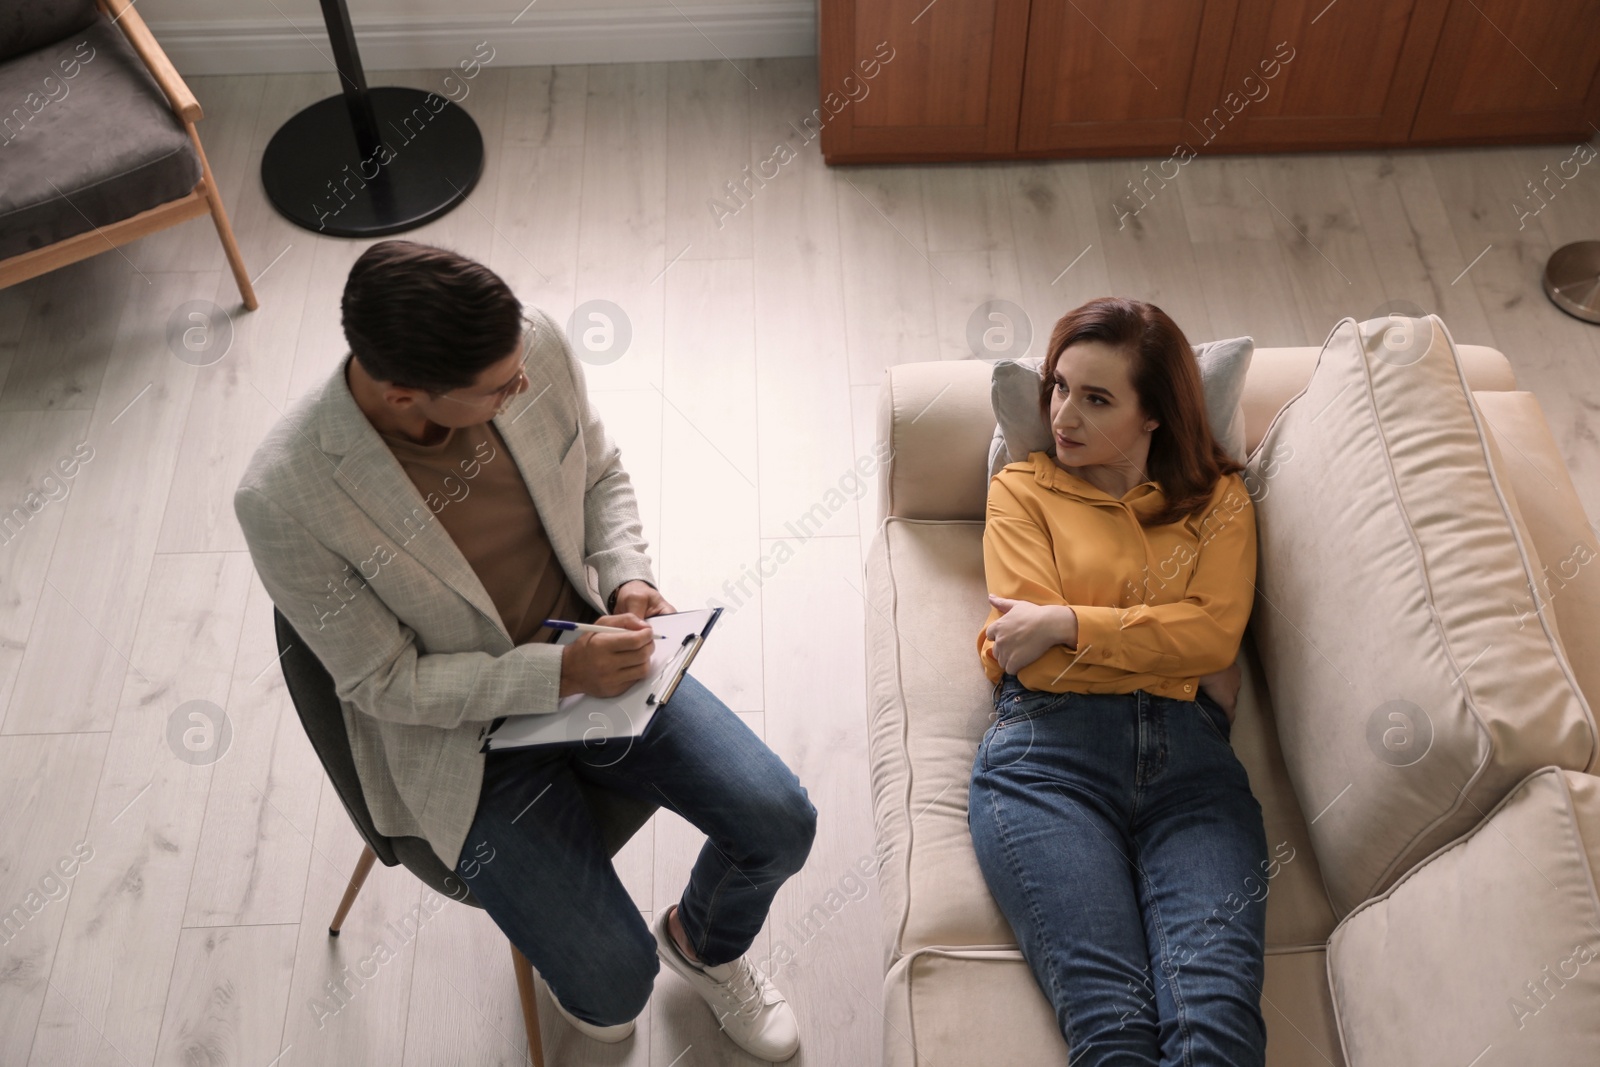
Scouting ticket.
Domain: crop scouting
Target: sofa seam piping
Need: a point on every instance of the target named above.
(905, 731)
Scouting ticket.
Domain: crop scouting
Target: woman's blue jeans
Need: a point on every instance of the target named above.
(1118, 834)
(535, 860)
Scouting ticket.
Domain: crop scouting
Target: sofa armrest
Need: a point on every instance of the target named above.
(183, 102)
(937, 420)
(1533, 471)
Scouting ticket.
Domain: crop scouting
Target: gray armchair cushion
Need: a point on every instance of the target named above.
(29, 24)
(89, 139)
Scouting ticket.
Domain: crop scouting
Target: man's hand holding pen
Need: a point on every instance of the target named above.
(606, 664)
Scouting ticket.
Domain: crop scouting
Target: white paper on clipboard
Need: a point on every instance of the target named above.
(590, 720)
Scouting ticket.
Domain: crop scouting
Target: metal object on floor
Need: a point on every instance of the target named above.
(370, 161)
(1572, 279)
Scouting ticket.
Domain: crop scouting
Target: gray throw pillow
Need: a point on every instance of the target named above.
(1014, 392)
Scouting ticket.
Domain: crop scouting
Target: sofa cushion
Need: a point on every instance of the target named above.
(1014, 394)
(967, 1006)
(89, 150)
(1492, 943)
(29, 24)
(929, 705)
(1298, 913)
(1409, 700)
(983, 1006)
(1536, 475)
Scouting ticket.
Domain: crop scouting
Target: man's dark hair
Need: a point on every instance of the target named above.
(424, 317)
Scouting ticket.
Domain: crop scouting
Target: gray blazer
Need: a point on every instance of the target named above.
(359, 564)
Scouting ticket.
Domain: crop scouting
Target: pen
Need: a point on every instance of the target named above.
(592, 628)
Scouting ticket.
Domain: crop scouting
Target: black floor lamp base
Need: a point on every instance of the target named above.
(428, 157)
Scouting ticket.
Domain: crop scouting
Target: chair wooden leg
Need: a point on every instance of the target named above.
(219, 216)
(357, 878)
(530, 1004)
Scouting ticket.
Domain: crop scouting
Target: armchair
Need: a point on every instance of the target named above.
(97, 139)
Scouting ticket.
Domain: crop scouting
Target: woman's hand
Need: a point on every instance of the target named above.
(1025, 631)
(1223, 686)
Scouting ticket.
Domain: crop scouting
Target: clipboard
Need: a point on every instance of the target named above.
(592, 720)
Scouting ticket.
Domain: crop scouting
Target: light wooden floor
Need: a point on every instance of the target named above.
(195, 932)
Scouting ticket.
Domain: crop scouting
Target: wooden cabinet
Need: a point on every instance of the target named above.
(1348, 74)
(947, 81)
(1103, 73)
(998, 79)
(1513, 70)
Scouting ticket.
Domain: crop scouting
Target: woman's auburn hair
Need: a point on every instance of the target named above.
(1185, 459)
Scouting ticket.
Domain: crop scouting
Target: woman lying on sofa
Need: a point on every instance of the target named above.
(1113, 823)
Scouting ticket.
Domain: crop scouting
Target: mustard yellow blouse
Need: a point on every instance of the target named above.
(1157, 608)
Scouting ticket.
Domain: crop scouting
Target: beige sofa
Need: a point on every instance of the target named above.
(957, 990)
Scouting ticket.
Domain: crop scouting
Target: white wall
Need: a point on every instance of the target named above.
(267, 36)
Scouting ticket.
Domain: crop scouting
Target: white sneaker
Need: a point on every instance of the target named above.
(747, 1005)
(609, 1034)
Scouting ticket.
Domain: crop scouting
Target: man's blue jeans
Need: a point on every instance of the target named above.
(535, 861)
(1118, 834)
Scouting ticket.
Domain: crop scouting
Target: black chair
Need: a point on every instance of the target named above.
(315, 699)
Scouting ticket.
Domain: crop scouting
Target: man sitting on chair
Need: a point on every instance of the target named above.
(416, 519)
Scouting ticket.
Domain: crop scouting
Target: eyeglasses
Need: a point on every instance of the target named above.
(500, 395)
